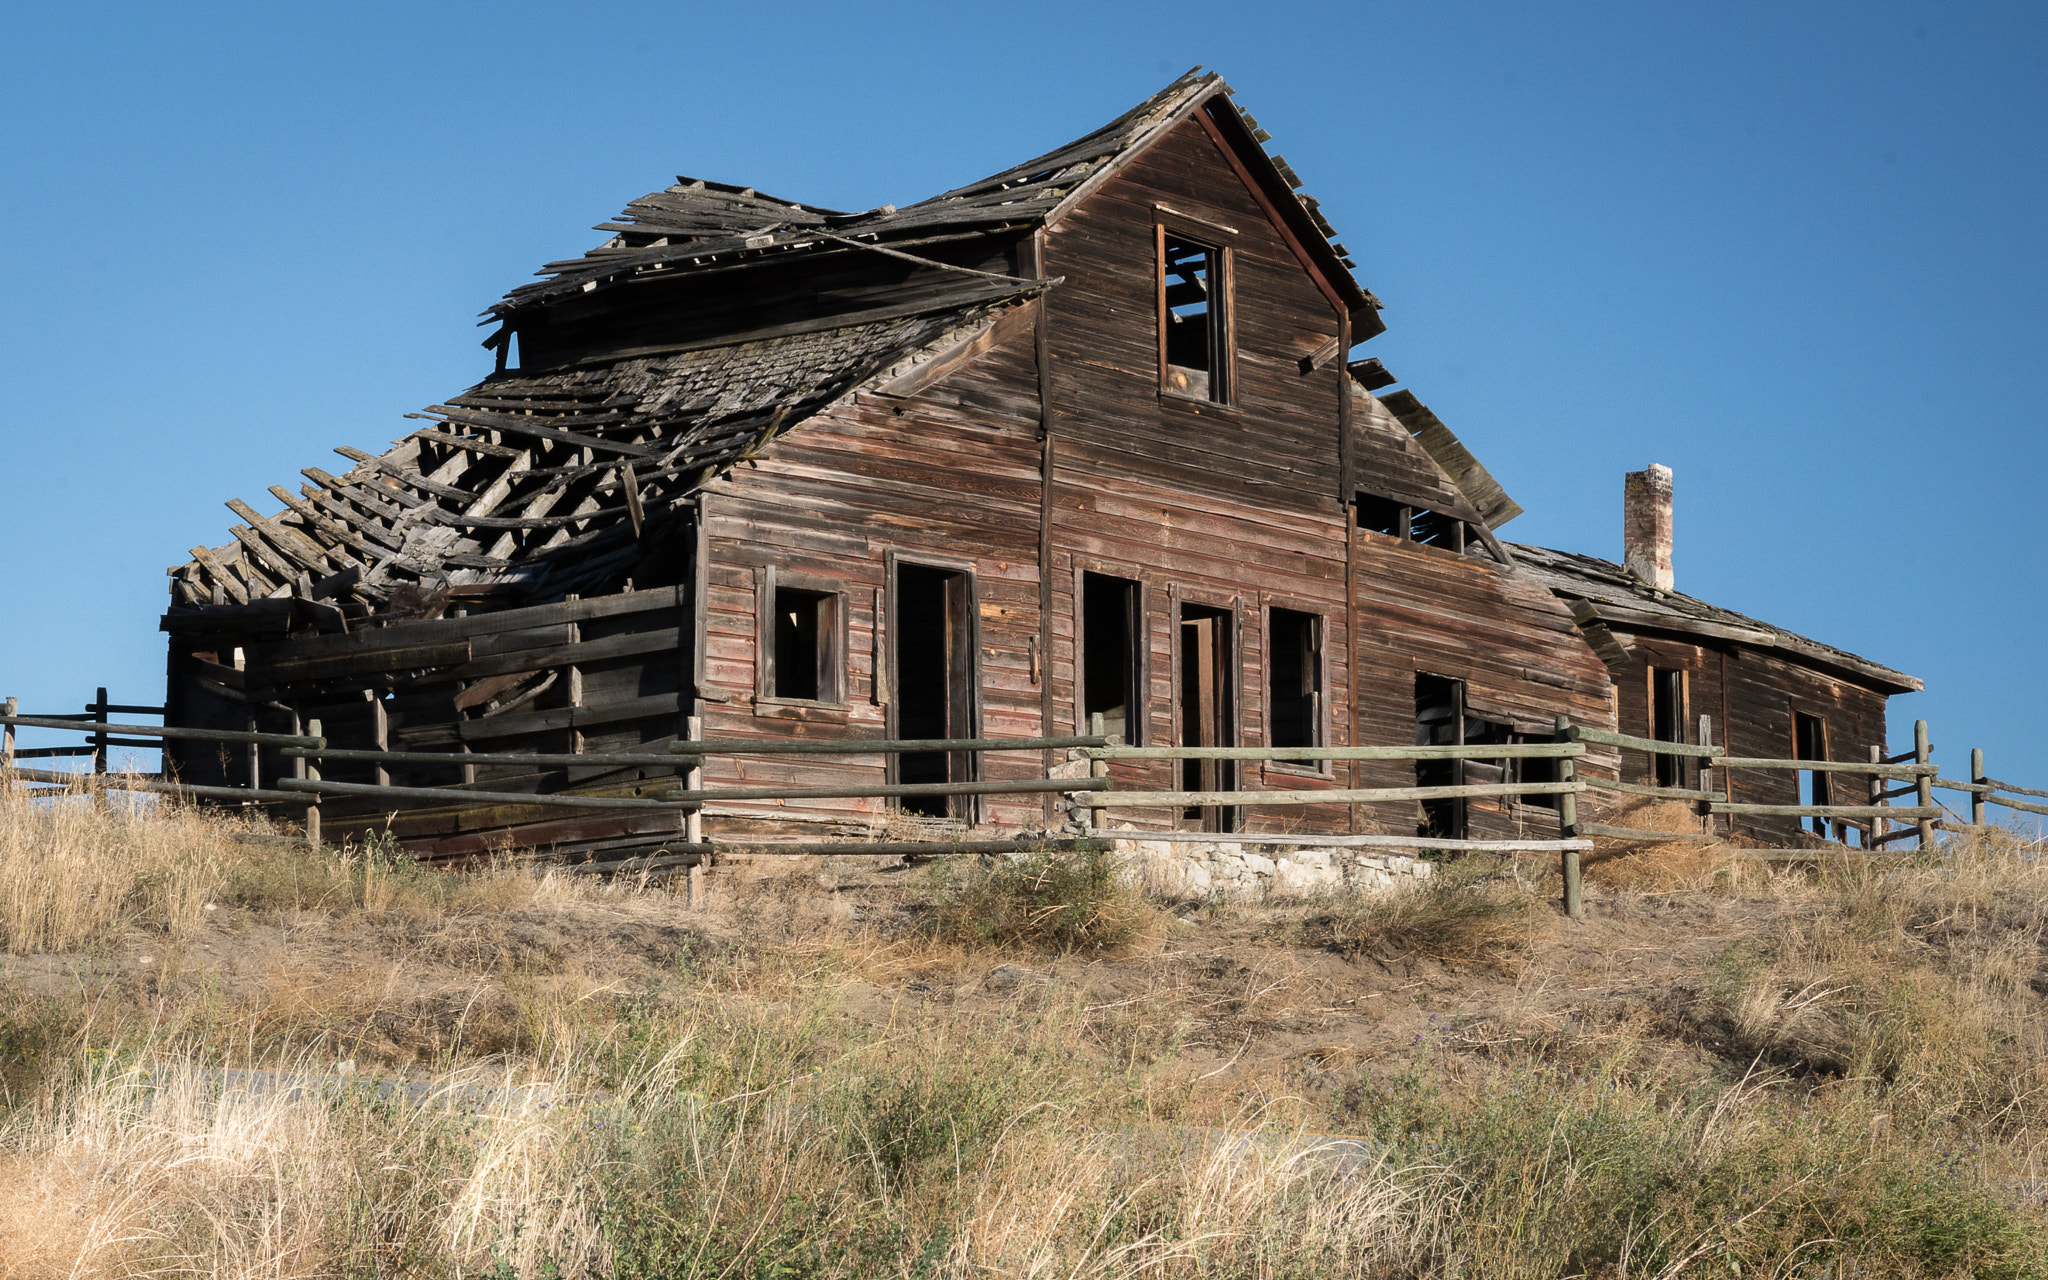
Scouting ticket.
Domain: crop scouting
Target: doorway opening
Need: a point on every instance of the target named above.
(934, 682)
(1667, 724)
(1207, 711)
(1810, 742)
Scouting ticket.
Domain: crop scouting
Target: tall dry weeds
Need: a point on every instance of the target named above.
(71, 870)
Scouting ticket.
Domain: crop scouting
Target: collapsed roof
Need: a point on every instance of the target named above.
(542, 481)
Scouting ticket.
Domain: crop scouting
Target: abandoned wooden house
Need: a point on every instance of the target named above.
(1081, 438)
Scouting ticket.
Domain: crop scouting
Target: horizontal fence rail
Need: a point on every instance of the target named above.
(1539, 750)
(1364, 795)
(683, 759)
(166, 731)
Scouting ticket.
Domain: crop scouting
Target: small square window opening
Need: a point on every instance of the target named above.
(805, 628)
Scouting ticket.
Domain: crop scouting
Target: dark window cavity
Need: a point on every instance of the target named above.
(1667, 724)
(804, 632)
(1294, 643)
(1111, 644)
(1197, 328)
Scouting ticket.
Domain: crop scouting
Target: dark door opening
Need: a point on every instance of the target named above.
(1110, 648)
(1667, 724)
(1810, 742)
(1207, 713)
(934, 630)
(1440, 722)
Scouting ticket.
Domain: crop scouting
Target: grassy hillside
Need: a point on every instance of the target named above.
(1033, 1071)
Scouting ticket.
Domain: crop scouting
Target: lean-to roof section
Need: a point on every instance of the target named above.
(1604, 594)
(548, 482)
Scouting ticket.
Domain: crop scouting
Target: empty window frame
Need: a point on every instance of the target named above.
(1667, 724)
(1410, 524)
(1810, 742)
(1194, 318)
(1294, 679)
(801, 642)
(1112, 653)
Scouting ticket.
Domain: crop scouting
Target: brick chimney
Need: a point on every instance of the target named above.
(1646, 526)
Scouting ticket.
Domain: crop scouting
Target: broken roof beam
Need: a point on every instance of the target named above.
(1492, 502)
(306, 556)
(405, 475)
(537, 429)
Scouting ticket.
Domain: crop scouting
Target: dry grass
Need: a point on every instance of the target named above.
(1464, 915)
(712, 1107)
(1053, 901)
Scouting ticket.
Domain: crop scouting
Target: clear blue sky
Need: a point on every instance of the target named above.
(1793, 251)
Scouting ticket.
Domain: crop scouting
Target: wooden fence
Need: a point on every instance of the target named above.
(1091, 795)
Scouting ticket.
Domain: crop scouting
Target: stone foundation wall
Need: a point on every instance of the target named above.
(1203, 870)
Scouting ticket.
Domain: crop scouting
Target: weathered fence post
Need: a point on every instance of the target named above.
(1924, 797)
(1879, 827)
(7, 747)
(1707, 775)
(311, 772)
(99, 740)
(1977, 780)
(693, 821)
(1568, 825)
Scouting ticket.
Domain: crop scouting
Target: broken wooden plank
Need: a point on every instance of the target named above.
(1579, 733)
(1900, 812)
(292, 669)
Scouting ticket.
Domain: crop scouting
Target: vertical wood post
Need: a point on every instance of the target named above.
(1096, 769)
(1922, 753)
(380, 726)
(99, 740)
(1879, 827)
(1977, 779)
(1707, 774)
(7, 747)
(1568, 827)
(311, 772)
(693, 821)
(255, 759)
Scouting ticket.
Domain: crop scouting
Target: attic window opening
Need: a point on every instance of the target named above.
(1194, 339)
(1411, 524)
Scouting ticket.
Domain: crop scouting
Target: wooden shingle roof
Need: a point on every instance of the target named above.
(1603, 594)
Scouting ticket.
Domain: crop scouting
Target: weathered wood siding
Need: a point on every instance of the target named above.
(1232, 506)
(948, 477)
(1751, 696)
(1424, 610)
